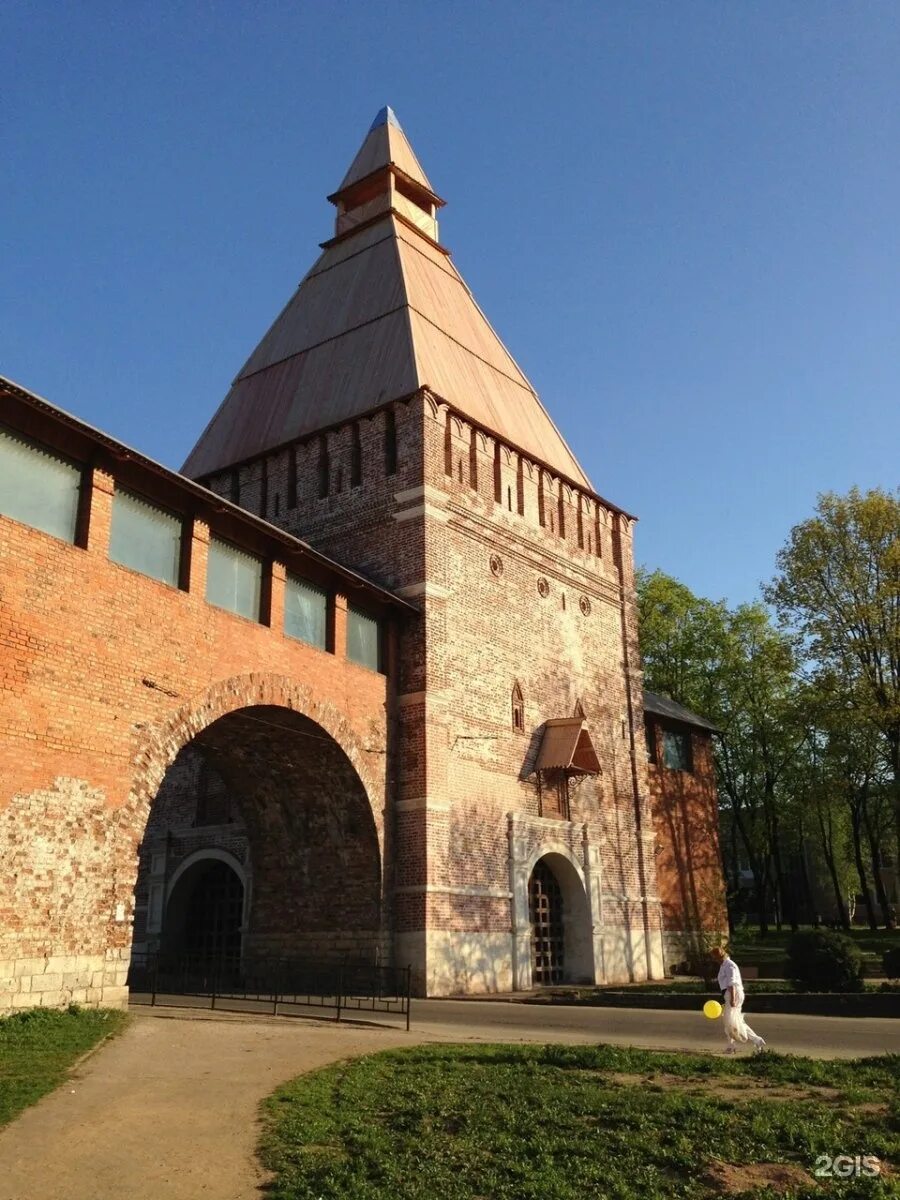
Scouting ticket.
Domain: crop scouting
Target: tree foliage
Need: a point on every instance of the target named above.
(809, 708)
(738, 670)
(821, 960)
(838, 587)
(682, 640)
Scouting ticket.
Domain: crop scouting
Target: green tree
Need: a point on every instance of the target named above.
(851, 764)
(820, 800)
(682, 639)
(838, 587)
(738, 670)
(763, 736)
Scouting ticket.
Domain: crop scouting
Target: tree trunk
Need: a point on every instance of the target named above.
(761, 892)
(770, 816)
(827, 850)
(760, 878)
(893, 737)
(735, 869)
(762, 887)
(874, 855)
(838, 894)
(855, 824)
(786, 908)
(814, 914)
(777, 878)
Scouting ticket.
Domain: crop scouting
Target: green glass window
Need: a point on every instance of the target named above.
(233, 579)
(677, 750)
(306, 612)
(145, 538)
(363, 639)
(38, 487)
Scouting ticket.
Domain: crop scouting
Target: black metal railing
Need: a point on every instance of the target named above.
(279, 985)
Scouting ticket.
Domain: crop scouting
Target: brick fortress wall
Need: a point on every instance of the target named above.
(105, 675)
(522, 578)
(688, 858)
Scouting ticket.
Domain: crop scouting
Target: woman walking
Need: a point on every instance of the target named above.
(732, 986)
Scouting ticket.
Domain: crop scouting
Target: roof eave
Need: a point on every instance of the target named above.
(213, 499)
(435, 199)
(404, 399)
(657, 706)
(558, 753)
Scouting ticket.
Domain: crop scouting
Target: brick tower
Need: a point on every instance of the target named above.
(382, 420)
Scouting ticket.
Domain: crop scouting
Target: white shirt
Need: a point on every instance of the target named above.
(729, 975)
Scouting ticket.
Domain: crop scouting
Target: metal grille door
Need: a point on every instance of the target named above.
(213, 925)
(546, 910)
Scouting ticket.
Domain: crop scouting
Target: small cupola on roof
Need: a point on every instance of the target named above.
(386, 176)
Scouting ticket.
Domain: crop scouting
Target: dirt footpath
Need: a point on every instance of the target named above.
(169, 1110)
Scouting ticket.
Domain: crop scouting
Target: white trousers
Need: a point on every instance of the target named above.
(736, 1028)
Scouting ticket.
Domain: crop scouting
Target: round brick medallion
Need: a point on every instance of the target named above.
(496, 563)
(585, 605)
(543, 587)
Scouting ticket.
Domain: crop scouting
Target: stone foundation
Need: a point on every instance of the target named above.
(54, 981)
(451, 963)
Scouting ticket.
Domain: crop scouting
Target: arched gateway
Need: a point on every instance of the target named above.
(204, 910)
(560, 922)
(260, 843)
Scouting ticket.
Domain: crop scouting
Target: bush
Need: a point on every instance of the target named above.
(822, 960)
(890, 960)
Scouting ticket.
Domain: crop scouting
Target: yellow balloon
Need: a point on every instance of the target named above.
(712, 1009)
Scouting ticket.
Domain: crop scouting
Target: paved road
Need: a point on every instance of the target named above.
(818, 1037)
(168, 1111)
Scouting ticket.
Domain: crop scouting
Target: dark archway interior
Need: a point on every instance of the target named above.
(204, 913)
(274, 791)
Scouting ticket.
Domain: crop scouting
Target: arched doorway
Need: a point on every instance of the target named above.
(204, 914)
(261, 844)
(545, 907)
(560, 921)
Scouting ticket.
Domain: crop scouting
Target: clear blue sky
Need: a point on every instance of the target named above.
(681, 217)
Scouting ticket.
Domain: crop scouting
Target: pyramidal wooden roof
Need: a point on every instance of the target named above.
(382, 313)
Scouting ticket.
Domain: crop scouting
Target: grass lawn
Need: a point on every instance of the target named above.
(39, 1045)
(579, 1123)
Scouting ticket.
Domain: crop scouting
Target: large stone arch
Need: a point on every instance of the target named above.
(556, 849)
(161, 744)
